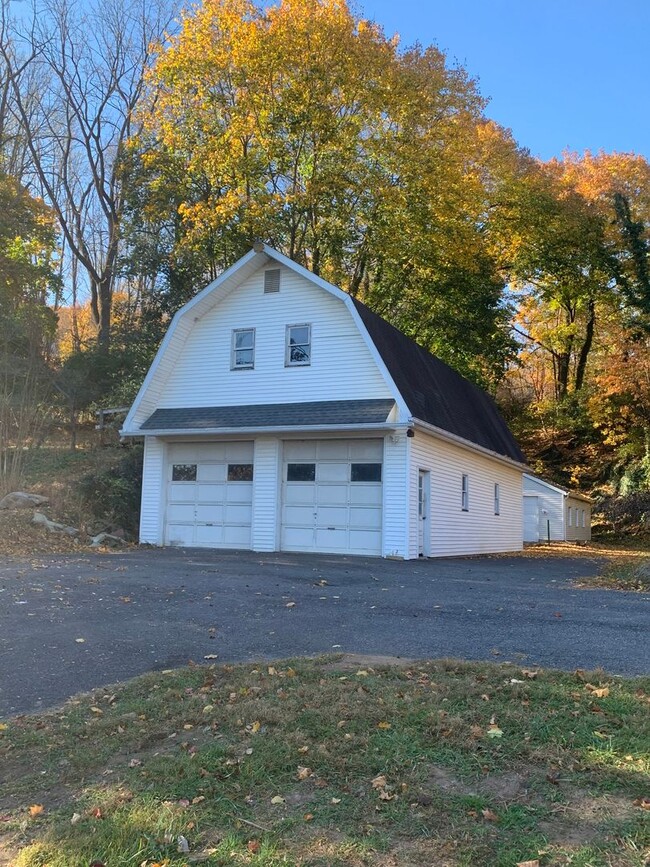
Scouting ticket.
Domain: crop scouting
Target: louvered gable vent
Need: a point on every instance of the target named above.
(272, 280)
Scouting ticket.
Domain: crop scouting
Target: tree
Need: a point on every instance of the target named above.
(307, 127)
(89, 63)
(27, 324)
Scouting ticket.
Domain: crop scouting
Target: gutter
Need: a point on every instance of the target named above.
(467, 444)
(250, 431)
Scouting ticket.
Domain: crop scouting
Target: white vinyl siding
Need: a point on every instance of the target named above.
(201, 374)
(396, 496)
(551, 513)
(266, 488)
(452, 531)
(152, 503)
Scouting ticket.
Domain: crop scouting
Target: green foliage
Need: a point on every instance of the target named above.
(113, 495)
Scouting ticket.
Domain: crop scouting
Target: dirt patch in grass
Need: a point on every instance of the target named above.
(334, 762)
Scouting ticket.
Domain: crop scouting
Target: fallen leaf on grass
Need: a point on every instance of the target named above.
(379, 782)
(97, 710)
(644, 803)
(597, 691)
(494, 731)
(253, 846)
(335, 801)
(36, 809)
(303, 773)
(386, 796)
(308, 817)
(3, 727)
(277, 799)
(489, 815)
(255, 727)
(303, 750)
(534, 863)
(529, 674)
(76, 817)
(384, 725)
(135, 763)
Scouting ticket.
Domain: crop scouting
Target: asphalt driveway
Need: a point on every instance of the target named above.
(71, 623)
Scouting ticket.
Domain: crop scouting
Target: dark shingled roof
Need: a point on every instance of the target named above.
(435, 393)
(317, 413)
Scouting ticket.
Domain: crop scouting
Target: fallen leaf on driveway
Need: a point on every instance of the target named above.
(290, 605)
(211, 656)
(80, 640)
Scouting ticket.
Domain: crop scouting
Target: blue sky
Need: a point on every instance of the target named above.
(560, 73)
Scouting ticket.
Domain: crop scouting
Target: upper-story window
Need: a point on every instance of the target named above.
(497, 499)
(298, 346)
(243, 349)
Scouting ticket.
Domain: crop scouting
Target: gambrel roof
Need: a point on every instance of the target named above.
(425, 389)
(436, 393)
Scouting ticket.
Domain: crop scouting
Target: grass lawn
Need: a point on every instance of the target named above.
(333, 762)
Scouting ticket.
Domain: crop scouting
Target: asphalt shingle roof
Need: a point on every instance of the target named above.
(435, 393)
(316, 413)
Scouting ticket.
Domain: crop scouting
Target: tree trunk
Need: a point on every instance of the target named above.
(586, 345)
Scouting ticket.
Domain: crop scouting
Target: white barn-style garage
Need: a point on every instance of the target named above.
(282, 414)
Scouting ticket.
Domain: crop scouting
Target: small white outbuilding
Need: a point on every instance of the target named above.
(554, 514)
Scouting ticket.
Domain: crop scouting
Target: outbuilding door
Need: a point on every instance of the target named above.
(531, 518)
(209, 495)
(332, 496)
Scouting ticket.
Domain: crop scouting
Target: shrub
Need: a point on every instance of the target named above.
(113, 495)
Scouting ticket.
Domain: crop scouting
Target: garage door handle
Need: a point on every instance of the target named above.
(331, 528)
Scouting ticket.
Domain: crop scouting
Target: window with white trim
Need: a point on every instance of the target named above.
(242, 354)
(583, 517)
(298, 346)
(497, 499)
(570, 517)
(464, 493)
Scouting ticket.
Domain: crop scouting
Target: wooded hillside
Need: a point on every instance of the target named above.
(141, 155)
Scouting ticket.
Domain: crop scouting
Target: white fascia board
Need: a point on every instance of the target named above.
(276, 429)
(173, 326)
(467, 444)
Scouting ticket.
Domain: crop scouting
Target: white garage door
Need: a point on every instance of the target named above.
(531, 519)
(209, 495)
(332, 496)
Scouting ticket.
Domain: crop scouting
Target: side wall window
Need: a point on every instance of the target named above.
(497, 499)
(464, 495)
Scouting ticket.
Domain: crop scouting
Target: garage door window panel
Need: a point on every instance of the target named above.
(240, 472)
(365, 472)
(183, 472)
(301, 472)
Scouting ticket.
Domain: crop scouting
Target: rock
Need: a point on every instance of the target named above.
(42, 520)
(106, 540)
(22, 500)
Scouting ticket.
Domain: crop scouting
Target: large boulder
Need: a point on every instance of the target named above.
(22, 500)
(42, 520)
